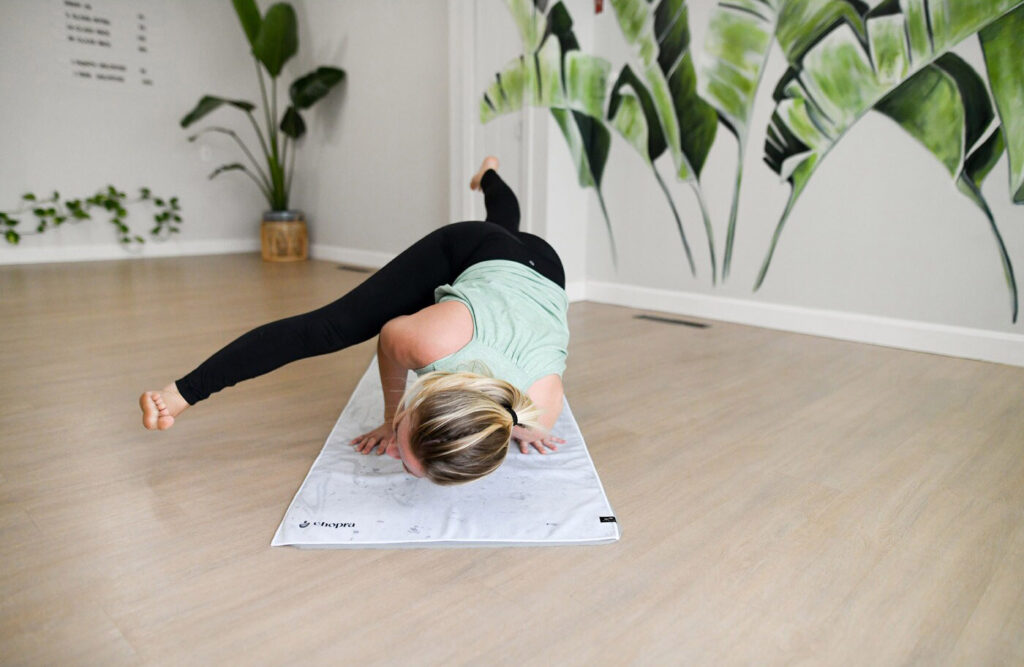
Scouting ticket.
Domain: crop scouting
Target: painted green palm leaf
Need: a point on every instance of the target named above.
(840, 78)
(533, 80)
(537, 81)
(738, 42)
(632, 113)
(1003, 44)
(530, 21)
(801, 23)
(946, 108)
(660, 36)
(556, 75)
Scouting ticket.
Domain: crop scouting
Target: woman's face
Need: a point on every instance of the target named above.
(399, 449)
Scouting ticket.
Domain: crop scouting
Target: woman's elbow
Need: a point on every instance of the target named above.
(398, 342)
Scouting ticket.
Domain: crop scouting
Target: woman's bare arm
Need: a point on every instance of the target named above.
(393, 374)
(409, 342)
(414, 341)
(546, 393)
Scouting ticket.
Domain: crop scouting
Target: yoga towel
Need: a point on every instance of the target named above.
(353, 500)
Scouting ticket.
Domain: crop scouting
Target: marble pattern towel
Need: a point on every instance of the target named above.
(352, 500)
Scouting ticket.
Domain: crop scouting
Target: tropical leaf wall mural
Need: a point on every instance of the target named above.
(844, 59)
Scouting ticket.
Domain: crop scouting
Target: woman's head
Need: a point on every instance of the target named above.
(459, 424)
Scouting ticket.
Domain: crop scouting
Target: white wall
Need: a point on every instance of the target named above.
(371, 174)
(376, 160)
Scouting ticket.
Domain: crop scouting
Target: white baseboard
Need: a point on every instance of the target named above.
(1004, 348)
(576, 290)
(103, 251)
(334, 253)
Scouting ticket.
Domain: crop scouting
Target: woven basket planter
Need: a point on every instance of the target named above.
(283, 236)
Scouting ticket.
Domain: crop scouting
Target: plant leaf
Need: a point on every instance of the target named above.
(210, 103)
(660, 36)
(292, 123)
(836, 83)
(571, 84)
(736, 48)
(249, 15)
(536, 81)
(632, 112)
(560, 25)
(278, 39)
(905, 71)
(307, 90)
(801, 23)
(236, 166)
(589, 142)
(740, 35)
(1003, 42)
(530, 21)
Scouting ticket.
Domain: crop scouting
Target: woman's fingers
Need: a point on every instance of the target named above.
(365, 443)
(539, 444)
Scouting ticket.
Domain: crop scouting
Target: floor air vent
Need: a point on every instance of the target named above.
(669, 320)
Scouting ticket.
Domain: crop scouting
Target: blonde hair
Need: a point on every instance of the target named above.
(461, 426)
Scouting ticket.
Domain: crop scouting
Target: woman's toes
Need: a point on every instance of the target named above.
(149, 410)
(164, 422)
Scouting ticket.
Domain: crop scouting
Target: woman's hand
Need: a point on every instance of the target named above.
(537, 439)
(380, 437)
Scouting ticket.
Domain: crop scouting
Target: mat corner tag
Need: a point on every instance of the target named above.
(608, 519)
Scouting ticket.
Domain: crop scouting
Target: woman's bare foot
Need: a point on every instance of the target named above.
(490, 162)
(159, 408)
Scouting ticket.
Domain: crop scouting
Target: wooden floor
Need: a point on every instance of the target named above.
(783, 498)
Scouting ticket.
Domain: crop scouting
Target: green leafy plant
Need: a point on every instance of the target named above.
(274, 39)
(53, 212)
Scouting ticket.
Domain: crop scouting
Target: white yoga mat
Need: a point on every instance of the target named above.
(353, 500)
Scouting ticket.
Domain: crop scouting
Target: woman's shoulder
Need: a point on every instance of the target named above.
(430, 334)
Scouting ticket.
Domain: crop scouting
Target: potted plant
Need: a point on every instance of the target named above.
(274, 39)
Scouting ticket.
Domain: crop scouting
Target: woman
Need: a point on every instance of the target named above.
(478, 309)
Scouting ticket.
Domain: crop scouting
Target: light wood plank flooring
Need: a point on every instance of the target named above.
(783, 498)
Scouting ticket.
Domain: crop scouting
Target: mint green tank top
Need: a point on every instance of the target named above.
(520, 323)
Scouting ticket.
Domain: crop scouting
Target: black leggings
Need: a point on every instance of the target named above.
(403, 286)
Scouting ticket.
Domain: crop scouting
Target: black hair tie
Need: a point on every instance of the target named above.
(515, 417)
